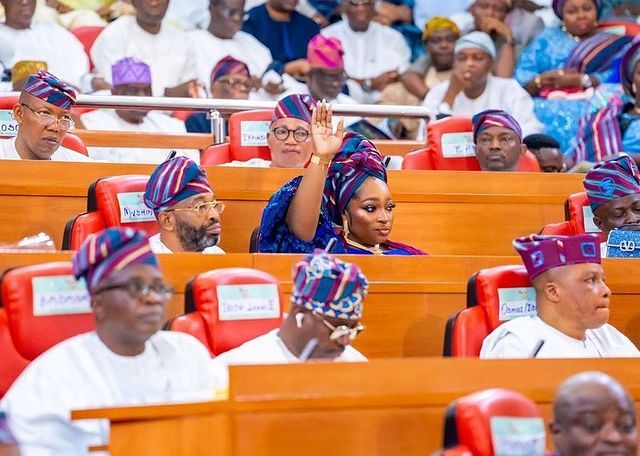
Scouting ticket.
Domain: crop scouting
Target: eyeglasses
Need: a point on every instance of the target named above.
(230, 13)
(202, 208)
(338, 332)
(47, 119)
(282, 134)
(236, 83)
(139, 290)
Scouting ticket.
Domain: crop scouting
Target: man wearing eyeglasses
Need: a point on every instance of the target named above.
(323, 320)
(127, 359)
(187, 211)
(43, 115)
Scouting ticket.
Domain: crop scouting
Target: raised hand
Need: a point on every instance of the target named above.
(325, 141)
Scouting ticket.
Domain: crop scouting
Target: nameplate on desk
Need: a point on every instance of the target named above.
(60, 295)
(516, 436)
(248, 302)
(8, 125)
(133, 209)
(254, 132)
(457, 145)
(516, 302)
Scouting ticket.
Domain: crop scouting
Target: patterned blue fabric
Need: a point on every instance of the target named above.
(631, 133)
(549, 51)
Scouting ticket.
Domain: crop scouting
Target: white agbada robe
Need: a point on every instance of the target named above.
(154, 121)
(209, 50)
(188, 14)
(157, 246)
(168, 53)
(51, 43)
(251, 163)
(82, 373)
(268, 349)
(369, 54)
(8, 152)
(500, 93)
(519, 337)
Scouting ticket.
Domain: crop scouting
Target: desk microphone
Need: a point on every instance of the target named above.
(537, 348)
(308, 349)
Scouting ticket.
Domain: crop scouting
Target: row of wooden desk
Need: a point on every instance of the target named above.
(443, 213)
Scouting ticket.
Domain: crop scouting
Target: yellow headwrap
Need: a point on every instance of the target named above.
(438, 23)
(22, 69)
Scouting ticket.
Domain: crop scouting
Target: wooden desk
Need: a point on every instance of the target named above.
(385, 407)
(448, 213)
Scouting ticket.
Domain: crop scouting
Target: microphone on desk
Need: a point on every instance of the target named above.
(537, 348)
(308, 349)
(172, 153)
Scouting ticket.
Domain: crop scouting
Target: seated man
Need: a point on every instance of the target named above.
(186, 209)
(572, 302)
(323, 321)
(43, 113)
(498, 139)
(613, 189)
(132, 77)
(289, 136)
(472, 88)
(593, 414)
(127, 360)
(230, 80)
(547, 151)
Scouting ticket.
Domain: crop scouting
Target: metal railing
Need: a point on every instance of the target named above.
(217, 107)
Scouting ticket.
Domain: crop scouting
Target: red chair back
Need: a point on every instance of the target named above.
(487, 422)
(12, 362)
(578, 218)
(226, 307)
(494, 296)
(45, 305)
(87, 36)
(620, 28)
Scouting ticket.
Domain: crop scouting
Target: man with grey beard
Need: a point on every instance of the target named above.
(186, 208)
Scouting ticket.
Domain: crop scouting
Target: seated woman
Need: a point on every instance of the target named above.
(570, 58)
(345, 185)
(630, 118)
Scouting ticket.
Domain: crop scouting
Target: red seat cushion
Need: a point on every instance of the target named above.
(12, 362)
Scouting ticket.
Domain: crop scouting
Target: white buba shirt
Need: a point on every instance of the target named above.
(8, 152)
(168, 52)
(267, 349)
(82, 373)
(158, 247)
(519, 337)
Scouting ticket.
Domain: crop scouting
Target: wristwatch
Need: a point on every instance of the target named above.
(366, 85)
(318, 160)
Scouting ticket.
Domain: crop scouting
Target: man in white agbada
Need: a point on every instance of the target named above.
(47, 42)
(323, 320)
(127, 360)
(472, 88)
(572, 302)
(132, 77)
(223, 38)
(162, 46)
(186, 209)
(613, 190)
(374, 54)
(43, 115)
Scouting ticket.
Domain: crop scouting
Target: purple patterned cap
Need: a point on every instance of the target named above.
(111, 250)
(325, 284)
(558, 6)
(297, 106)
(541, 253)
(228, 65)
(130, 70)
(494, 118)
(48, 88)
(611, 179)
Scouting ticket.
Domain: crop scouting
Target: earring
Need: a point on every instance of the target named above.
(299, 318)
(345, 226)
(634, 88)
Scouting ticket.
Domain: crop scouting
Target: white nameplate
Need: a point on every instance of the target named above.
(248, 302)
(516, 302)
(254, 132)
(8, 125)
(456, 145)
(516, 436)
(60, 295)
(587, 215)
(133, 209)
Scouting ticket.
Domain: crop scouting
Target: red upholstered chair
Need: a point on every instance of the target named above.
(45, 305)
(578, 218)
(12, 362)
(111, 201)
(494, 296)
(620, 27)
(473, 423)
(450, 148)
(226, 307)
(87, 36)
(247, 140)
